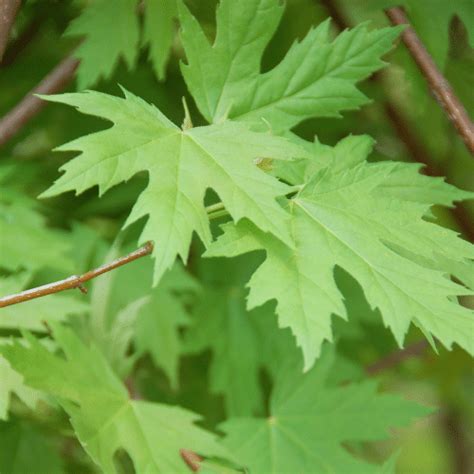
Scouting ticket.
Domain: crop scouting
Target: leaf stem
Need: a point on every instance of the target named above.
(215, 207)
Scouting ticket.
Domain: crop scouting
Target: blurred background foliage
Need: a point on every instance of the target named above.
(407, 124)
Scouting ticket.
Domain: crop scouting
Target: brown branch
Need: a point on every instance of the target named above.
(25, 38)
(55, 81)
(8, 11)
(75, 281)
(391, 360)
(438, 84)
(453, 423)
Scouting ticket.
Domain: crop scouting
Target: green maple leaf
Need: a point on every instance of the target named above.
(356, 215)
(309, 419)
(316, 78)
(182, 165)
(229, 330)
(158, 32)
(103, 416)
(25, 449)
(242, 341)
(111, 31)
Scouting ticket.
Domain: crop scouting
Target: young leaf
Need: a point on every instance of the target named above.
(316, 78)
(182, 165)
(349, 215)
(111, 32)
(310, 419)
(103, 416)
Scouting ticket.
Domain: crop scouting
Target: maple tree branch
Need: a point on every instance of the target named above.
(8, 11)
(27, 108)
(75, 281)
(21, 42)
(438, 84)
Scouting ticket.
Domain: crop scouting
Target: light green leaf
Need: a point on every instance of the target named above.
(181, 166)
(111, 32)
(309, 420)
(356, 215)
(103, 416)
(316, 78)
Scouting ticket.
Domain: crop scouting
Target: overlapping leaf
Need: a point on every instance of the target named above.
(182, 165)
(242, 342)
(103, 416)
(309, 420)
(158, 32)
(111, 31)
(316, 78)
(357, 215)
(157, 329)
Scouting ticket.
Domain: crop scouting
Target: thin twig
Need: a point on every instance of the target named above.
(55, 81)
(191, 459)
(394, 358)
(437, 82)
(75, 281)
(8, 11)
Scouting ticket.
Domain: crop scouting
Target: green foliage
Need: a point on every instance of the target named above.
(103, 416)
(316, 78)
(348, 251)
(219, 156)
(25, 449)
(158, 32)
(309, 419)
(111, 31)
(365, 218)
